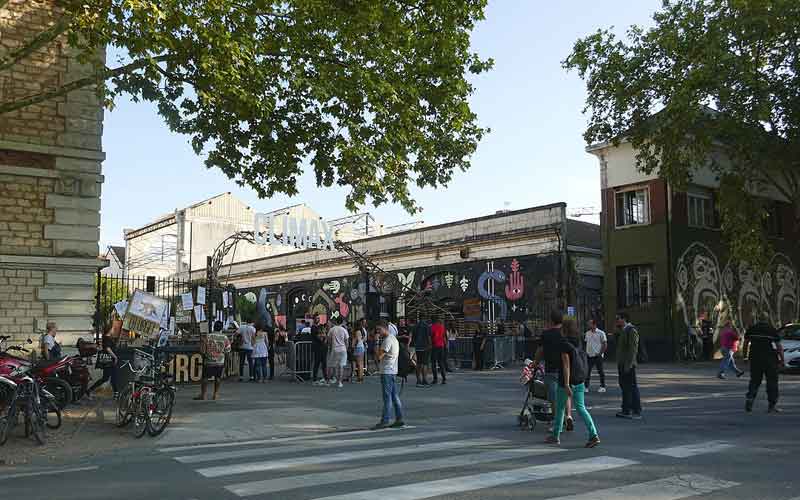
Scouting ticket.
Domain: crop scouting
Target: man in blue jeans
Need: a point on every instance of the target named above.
(627, 350)
(388, 354)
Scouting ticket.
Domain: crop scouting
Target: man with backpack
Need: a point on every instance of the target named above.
(628, 354)
(572, 371)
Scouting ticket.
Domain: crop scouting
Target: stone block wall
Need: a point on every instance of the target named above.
(50, 180)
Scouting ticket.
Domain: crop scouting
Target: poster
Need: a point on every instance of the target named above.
(144, 313)
(201, 295)
(186, 301)
(165, 318)
(224, 300)
(121, 307)
(199, 313)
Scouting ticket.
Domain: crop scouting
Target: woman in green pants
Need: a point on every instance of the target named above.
(569, 389)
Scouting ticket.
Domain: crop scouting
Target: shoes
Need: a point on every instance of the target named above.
(570, 424)
(636, 416)
(333, 380)
(340, 385)
(721, 376)
(444, 382)
(552, 440)
(380, 425)
(434, 382)
(198, 398)
(774, 409)
(601, 389)
(748, 405)
(397, 424)
(241, 379)
(593, 441)
(623, 414)
(739, 373)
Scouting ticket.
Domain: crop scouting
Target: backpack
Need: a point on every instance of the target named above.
(405, 363)
(579, 366)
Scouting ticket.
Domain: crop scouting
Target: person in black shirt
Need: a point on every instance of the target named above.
(550, 352)
(422, 349)
(107, 361)
(766, 356)
(320, 350)
(478, 348)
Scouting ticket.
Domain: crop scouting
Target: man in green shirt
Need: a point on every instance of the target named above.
(627, 349)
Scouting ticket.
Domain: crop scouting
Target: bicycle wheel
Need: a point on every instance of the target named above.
(52, 414)
(161, 410)
(141, 415)
(124, 406)
(8, 422)
(34, 418)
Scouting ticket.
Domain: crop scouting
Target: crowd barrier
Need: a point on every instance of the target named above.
(499, 351)
(299, 361)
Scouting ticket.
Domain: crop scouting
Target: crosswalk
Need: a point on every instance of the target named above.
(415, 464)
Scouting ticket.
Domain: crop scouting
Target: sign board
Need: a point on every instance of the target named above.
(297, 232)
(472, 309)
(145, 312)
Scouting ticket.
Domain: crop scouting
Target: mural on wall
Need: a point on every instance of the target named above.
(735, 292)
(504, 289)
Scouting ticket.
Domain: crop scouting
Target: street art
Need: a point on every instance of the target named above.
(332, 287)
(407, 280)
(344, 307)
(498, 277)
(264, 316)
(464, 283)
(516, 283)
(737, 291)
(448, 280)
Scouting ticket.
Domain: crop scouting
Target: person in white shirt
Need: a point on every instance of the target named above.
(260, 353)
(247, 332)
(388, 355)
(596, 346)
(392, 329)
(337, 340)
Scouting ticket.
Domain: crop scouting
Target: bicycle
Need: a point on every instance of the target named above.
(147, 401)
(36, 403)
(688, 349)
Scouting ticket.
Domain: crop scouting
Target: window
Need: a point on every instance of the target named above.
(701, 211)
(634, 285)
(633, 207)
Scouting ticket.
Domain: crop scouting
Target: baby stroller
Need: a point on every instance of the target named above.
(537, 407)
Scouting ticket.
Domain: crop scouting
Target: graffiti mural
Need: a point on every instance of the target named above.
(737, 291)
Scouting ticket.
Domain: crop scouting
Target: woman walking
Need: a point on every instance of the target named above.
(729, 344)
(358, 352)
(260, 352)
(107, 361)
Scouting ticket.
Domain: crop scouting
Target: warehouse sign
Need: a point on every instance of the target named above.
(297, 232)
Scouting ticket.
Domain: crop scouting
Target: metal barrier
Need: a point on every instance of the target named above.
(299, 361)
(500, 350)
(460, 351)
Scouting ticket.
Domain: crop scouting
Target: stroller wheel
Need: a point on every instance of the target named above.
(522, 421)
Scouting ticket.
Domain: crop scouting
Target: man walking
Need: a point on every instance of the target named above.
(627, 349)
(337, 339)
(319, 348)
(388, 354)
(596, 347)
(422, 349)
(213, 346)
(550, 352)
(438, 358)
(766, 356)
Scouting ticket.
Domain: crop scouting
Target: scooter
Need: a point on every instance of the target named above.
(66, 378)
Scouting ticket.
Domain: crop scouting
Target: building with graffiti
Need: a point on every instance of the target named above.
(492, 270)
(665, 261)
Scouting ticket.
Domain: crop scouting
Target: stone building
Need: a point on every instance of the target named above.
(50, 179)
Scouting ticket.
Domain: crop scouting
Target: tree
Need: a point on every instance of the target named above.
(372, 94)
(714, 84)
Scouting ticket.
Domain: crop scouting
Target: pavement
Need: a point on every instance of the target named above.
(294, 441)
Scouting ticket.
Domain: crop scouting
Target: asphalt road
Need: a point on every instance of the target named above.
(293, 441)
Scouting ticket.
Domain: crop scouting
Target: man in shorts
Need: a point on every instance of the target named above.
(422, 348)
(213, 346)
(337, 340)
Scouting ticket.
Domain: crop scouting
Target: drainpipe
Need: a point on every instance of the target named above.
(670, 275)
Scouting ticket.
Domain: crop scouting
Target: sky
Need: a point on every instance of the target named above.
(534, 155)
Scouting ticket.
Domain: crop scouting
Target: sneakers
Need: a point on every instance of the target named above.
(748, 405)
(552, 440)
(721, 376)
(601, 389)
(636, 416)
(340, 385)
(593, 441)
(380, 425)
(397, 424)
(739, 373)
(333, 380)
(586, 390)
(774, 409)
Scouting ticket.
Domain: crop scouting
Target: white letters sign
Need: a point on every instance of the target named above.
(297, 232)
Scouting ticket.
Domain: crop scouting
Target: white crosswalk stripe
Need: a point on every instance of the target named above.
(310, 445)
(462, 484)
(228, 470)
(339, 467)
(342, 476)
(669, 488)
(691, 450)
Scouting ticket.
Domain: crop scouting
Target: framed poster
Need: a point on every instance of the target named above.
(144, 313)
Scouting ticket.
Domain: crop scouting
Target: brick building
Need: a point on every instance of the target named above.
(50, 179)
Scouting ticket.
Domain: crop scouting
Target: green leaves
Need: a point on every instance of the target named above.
(370, 94)
(713, 85)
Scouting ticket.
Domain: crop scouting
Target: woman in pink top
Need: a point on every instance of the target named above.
(729, 344)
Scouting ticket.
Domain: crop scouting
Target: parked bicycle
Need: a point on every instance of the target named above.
(27, 399)
(148, 400)
(690, 346)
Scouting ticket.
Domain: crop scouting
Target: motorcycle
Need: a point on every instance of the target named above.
(66, 378)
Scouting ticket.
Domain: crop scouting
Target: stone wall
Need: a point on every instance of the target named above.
(50, 179)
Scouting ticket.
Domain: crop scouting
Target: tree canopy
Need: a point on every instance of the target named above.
(371, 94)
(714, 84)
